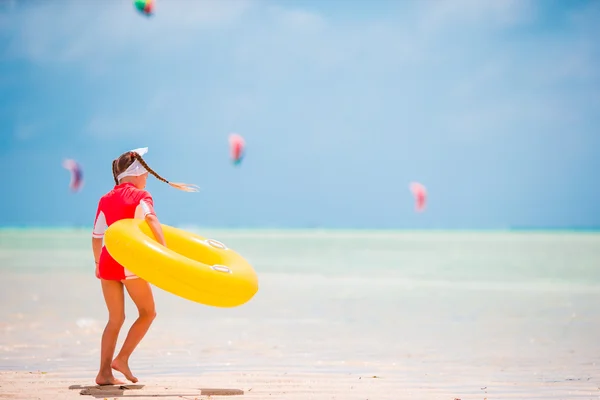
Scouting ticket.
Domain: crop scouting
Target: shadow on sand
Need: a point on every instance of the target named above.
(119, 391)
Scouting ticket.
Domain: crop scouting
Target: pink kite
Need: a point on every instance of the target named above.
(236, 147)
(76, 174)
(420, 194)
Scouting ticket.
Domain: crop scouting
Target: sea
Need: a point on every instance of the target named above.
(437, 307)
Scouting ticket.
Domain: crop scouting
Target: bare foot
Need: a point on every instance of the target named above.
(123, 367)
(107, 380)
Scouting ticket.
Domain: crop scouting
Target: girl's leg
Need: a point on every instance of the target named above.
(115, 302)
(141, 293)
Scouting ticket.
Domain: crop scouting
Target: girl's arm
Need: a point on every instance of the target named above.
(97, 248)
(100, 227)
(156, 229)
(145, 210)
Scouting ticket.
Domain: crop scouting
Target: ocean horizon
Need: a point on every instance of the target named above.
(197, 228)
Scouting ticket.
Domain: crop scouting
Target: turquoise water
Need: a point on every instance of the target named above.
(441, 257)
(439, 308)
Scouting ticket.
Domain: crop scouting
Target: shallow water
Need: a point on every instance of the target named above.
(437, 309)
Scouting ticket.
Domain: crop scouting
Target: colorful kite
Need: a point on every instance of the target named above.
(76, 174)
(420, 194)
(236, 148)
(146, 7)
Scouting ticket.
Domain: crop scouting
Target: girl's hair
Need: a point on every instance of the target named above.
(126, 159)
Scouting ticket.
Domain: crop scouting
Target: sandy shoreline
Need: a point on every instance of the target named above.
(277, 385)
(421, 344)
(39, 385)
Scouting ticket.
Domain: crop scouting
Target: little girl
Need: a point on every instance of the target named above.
(127, 199)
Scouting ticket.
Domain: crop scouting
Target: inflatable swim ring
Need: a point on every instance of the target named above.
(193, 267)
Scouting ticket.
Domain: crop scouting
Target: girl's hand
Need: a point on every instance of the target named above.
(97, 270)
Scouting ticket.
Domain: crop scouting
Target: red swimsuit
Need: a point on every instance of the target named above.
(120, 203)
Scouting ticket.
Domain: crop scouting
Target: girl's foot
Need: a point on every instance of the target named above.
(123, 367)
(107, 379)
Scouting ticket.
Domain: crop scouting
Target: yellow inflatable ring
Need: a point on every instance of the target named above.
(191, 266)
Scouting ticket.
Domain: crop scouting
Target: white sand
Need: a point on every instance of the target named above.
(277, 385)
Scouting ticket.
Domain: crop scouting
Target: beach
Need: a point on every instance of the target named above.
(338, 315)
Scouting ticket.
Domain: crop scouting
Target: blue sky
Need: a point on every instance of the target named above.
(493, 106)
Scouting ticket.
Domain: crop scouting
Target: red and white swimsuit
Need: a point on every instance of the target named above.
(123, 201)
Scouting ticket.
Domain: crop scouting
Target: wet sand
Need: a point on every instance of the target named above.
(350, 339)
